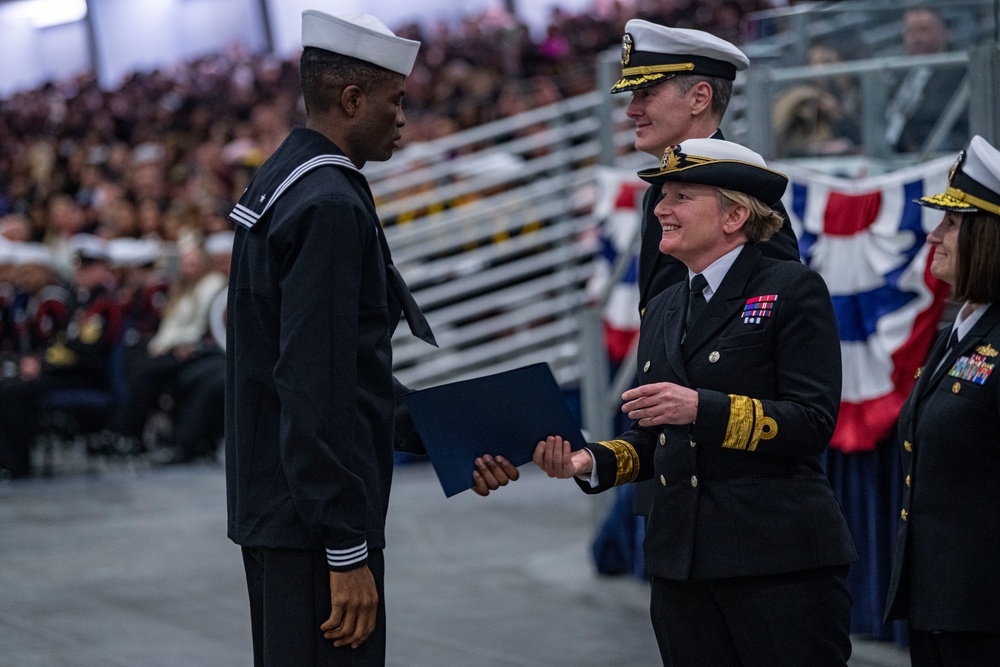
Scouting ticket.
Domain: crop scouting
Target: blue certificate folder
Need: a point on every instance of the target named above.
(504, 414)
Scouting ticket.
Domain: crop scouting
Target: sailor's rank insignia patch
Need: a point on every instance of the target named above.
(757, 307)
(973, 369)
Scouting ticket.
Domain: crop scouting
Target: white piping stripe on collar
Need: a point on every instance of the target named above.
(243, 215)
(248, 217)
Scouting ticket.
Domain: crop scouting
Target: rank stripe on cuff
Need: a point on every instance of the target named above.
(764, 428)
(740, 425)
(347, 557)
(747, 424)
(626, 460)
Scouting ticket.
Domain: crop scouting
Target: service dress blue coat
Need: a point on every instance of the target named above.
(946, 570)
(741, 491)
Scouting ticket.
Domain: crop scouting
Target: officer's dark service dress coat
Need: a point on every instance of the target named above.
(309, 389)
(741, 492)
(946, 572)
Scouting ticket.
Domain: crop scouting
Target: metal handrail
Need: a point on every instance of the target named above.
(879, 64)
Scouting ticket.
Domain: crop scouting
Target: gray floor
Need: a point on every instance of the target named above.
(133, 568)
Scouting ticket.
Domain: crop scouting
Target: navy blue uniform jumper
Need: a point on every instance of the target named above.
(310, 397)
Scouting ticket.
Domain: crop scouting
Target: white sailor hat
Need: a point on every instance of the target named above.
(973, 183)
(360, 36)
(719, 163)
(31, 254)
(652, 53)
(129, 252)
(89, 247)
(219, 243)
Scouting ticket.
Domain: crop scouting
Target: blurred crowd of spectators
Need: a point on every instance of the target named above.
(172, 148)
(161, 159)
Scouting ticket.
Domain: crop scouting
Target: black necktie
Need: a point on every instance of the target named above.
(953, 341)
(945, 353)
(696, 300)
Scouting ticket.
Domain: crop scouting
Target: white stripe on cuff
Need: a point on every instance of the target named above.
(345, 557)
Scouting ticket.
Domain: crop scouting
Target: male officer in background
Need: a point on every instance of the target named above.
(311, 405)
(681, 83)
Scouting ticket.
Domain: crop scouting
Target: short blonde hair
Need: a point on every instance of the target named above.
(763, 222)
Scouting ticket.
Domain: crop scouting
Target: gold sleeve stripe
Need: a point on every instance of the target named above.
(747, 424)
(764, 428)
(626, 458)
(740, 425)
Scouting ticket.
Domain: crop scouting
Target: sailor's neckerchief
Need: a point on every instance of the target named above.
(301, 152)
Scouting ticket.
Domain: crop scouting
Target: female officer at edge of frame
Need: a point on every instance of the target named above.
(945, 578)
(746, 545)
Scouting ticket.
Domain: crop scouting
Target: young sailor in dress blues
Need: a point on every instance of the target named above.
(310, 396)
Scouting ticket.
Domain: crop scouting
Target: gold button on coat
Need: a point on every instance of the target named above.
(663, 439)
(663, 480)
(908, 480)
(904, 514)
(907, 446)
(645, 367)
(694, 480)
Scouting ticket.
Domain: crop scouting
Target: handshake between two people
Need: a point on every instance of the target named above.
(553, 455)
(648, 405)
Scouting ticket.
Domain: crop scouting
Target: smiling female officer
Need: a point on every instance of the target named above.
(945, 577)
(740, 379)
